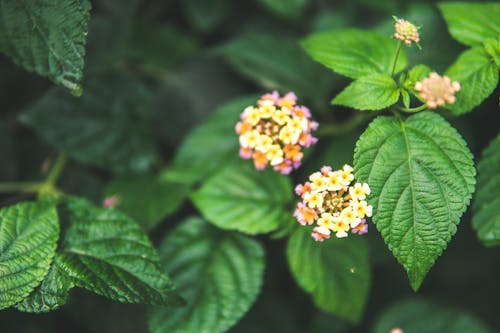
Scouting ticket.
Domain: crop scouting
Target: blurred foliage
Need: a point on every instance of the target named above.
(154, 70)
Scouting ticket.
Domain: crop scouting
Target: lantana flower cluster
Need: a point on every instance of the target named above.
(436, 90)
(274, 132)
(406, 32)
(334, 203)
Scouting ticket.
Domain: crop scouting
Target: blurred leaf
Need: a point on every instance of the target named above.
(336, 272)
(486, 219)
(106, 252)
(372, 92)
(286, 8)
(278, 63)
(205, 15)
(422, 177)
(105, 128)
(331, 20)
(47, 38)
(147, 199)
(28, 240)
(354, 53)
(244, 199)
(8, 165)
(209, 146)
(478, 76)
(417, 316)
(472, 23)
(219, 273)
(51, 294)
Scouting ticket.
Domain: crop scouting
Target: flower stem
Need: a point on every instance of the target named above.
(56, 170)
(345, 127)
(413, 110)
(398, 49)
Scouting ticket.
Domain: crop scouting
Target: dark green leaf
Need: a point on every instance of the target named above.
(354, 53)
(105, 128)
(205, 15)
(371, 92)
(219, 273)
(472, 23)
(244, 199)
(105, 252)
(421, 174)
(486, 219)
(336, 272)
(286, 8)
(28, 240)
(477, 73)
(47, 37)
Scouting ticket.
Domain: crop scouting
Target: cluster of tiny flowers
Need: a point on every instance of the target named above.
(110, 202)
(406, 32)
(332, 201)
(275, 132)
(436, 90)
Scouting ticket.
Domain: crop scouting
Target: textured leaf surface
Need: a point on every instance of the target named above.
(354, 53)
(51, 294)
(286, 8)
(28, 240)
(287, 67)
(472, 23)
(147, 199)
(244, 199)
(219, 274)
(46, 37)
(478, 75)
(104, 251)
(335, 272)
(210, 145)
(371, 92)
(105, 128)
(417, 316)
(486, 219)
(422, 178)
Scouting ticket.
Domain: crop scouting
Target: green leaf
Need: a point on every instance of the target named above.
(208, 147)
(147, 199)
(205, 15)
(486, 218)
(105, 128)
(286, 8)
(220, 275)
(244, 199)
(51, 294)
(417, 316)
(105, 252)
(354, 53)
(478, 76)
(28, 240)
(472, 23)
(492, 47)
(46, 37)
(286, 67)
(421, 174)
(335, 272)
(371, 92)
(416, 74)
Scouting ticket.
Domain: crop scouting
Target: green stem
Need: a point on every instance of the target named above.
(398, 49)
(413, 110)
(56, 170)
(345, 127)
(9, 187)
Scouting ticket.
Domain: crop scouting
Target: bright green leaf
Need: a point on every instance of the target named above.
(286, 8)
(105, 252)
(278, 63)
(371, 92)
(472, 23)
(354, 53)
(28, 240)
(219, 273)
(418, 316)
(336, 272)
(241, 198)
(51, 294)
(486, 219)
(208, 147)
(105, 128)
(492, 47)
(47, 37)
(416, 74)
(147, 199)
(421, 174)
(477, 73)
